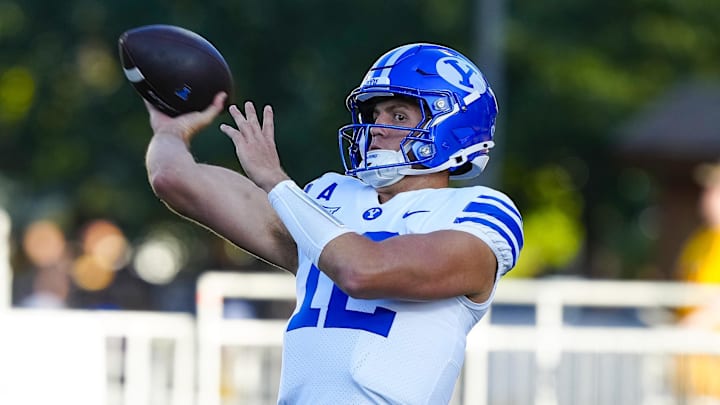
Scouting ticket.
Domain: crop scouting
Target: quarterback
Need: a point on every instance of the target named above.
(393, 266)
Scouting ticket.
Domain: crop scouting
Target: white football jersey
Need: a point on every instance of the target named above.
(342, 350)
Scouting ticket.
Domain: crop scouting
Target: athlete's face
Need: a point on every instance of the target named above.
(397, 112)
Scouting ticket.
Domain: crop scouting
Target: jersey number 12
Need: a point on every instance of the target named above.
(378, 322)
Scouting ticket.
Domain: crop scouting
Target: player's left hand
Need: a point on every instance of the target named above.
(255, 145)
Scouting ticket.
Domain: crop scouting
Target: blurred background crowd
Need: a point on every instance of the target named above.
(606, 112)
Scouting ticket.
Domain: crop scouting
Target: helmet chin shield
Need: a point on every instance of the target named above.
(458, 124)
(383, 168)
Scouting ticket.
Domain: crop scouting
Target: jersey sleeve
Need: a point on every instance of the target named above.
(493, 217)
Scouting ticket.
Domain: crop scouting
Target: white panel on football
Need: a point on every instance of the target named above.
(134, 75)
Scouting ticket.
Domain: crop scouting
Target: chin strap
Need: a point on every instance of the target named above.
(398, 167)
(308, 222)
(385, 176)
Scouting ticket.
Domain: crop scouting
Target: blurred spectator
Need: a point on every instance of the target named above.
(51, 286)
(700, 263)
(46, 250)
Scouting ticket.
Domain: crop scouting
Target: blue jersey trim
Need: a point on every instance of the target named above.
(496, 228)
(495, 212)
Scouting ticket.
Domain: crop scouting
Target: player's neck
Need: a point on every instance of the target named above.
(411, 183)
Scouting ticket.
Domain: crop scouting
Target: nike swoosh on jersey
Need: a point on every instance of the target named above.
(407, 214)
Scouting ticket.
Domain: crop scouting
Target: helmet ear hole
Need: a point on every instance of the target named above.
(365, 110)
(462, 169)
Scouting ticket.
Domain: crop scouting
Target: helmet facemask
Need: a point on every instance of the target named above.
(416, 148)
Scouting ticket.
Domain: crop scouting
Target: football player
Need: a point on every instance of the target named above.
(393, 266)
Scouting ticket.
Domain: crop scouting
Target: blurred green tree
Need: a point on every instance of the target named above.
(73, 132)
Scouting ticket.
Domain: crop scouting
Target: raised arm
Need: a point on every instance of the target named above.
(217, 198)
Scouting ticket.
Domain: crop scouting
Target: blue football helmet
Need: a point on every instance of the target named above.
(455, 133)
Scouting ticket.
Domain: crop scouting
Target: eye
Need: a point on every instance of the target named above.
(400, 117)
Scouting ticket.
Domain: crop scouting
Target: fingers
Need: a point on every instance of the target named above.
(152, 110)
(214, 109)
(149, 106)
(197, 118)
(185, 126)
(250, 113)
(249, 117)
(229, 131)
(216, 106)
(268, 122)
(236, 114)
(248, 123)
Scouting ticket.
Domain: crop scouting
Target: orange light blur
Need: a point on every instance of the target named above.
(106, 242)
(92, 274)
(44, 243)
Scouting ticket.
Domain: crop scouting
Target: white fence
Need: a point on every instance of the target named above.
(73, 357)
(545, 342)
(585, 342)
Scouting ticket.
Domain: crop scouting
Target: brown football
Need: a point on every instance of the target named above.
(173, 68)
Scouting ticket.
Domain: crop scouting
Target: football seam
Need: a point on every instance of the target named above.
(217, 56)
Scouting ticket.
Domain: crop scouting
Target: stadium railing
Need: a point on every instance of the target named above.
(96, 357)
(545, 342)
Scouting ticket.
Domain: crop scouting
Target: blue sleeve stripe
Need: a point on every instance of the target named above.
(496, 228)
(493, 211)
(504, 204)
